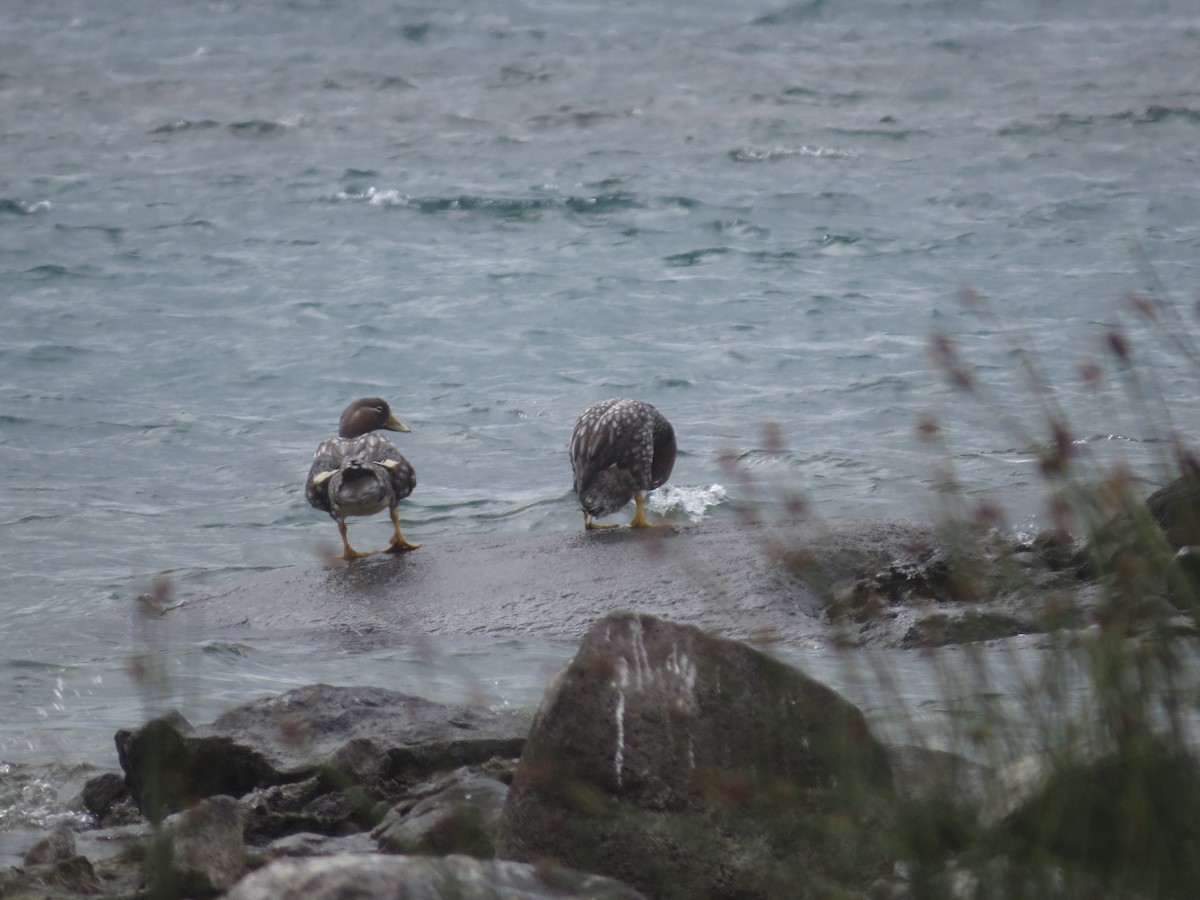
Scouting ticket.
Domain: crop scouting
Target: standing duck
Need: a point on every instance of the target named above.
(620, 449)
(359, 473)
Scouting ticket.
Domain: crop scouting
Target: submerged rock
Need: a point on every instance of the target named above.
(692, 766)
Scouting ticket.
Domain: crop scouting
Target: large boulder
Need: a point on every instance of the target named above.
(370, 738)
(1175, 507)
(422, 878)
(688, 765)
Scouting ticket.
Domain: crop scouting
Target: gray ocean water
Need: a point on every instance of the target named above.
(219, 221)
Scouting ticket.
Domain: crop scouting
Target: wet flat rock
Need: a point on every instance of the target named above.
(721, 577)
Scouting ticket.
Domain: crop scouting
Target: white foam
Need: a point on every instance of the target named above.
(374, 197)
(692, 501)
(767, 154)
(386, 198)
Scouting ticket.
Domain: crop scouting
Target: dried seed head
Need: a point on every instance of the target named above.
(1055, 459)
(970, 297)
(1090, 374)
(1058, 510)
(1118, 345)
(989, 515)
(1142, 305)
(1188, 464)
(945, 356)
(772, 437)
(928, 429)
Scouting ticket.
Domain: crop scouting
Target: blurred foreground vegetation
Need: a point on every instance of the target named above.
(1109, 803)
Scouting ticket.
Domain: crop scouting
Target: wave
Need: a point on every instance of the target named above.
(30, 795)
(793, 14)
(694, 257)
(504, 207)
(185, 125)
(773, 154)
(1150, 115)
(258, 127)
(49, 272)
(250, 128)
(23, 207)
(692, 501)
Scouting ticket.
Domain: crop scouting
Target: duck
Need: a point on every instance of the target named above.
(361, 473)
(620, 449)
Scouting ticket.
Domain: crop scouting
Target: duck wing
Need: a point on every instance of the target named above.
(613, 433)
(377, 449)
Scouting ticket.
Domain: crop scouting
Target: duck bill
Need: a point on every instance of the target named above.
(394, 424)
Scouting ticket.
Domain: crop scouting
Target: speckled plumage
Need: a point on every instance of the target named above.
(352, 461)
(619, 449)
(360, 473)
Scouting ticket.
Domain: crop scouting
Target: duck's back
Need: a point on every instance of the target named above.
(334, 453)
(627, 434)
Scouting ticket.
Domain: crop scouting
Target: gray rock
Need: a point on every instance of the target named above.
(55, 847)
(304, 843)
(965, 626)
(107, 798)
(750, 582)
(742, 581)
(72, 877)
(350, 736)
(282, 809)
(199, 852)
(691, 766)
(1175, 508)
(422, 878)
(921, 773)
(459, 814)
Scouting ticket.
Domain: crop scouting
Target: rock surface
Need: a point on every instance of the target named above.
(1175, 507)
(55, 847)
(691, 766)
(199, 852)
(422, 878)
(372, 738)
(725, 578)
(459, 813)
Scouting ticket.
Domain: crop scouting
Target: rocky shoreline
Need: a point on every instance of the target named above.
(654, 767)
(670, 757)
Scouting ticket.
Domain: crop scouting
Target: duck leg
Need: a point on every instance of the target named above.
(594, 526)
(639, 517)
(349, 552)
(399, 543)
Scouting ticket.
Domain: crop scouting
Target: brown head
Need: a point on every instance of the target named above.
(367, 414)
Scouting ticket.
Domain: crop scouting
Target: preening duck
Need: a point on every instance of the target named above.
(360, 473)
(620, 449)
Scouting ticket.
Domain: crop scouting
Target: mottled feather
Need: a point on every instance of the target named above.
(619, 447)
(360, 473)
